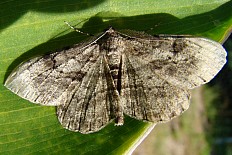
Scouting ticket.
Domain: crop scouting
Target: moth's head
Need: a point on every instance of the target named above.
(110, 30)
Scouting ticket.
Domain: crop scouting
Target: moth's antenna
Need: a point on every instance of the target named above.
(75, 29)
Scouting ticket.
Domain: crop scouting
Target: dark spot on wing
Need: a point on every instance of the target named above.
(179, 45)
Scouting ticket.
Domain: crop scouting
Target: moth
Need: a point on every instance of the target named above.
(115, 74)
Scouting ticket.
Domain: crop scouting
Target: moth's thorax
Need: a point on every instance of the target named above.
(113, 45)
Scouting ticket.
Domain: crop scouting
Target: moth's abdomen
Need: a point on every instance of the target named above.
(114, 65)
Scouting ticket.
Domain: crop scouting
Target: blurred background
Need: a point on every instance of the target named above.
(205, 128)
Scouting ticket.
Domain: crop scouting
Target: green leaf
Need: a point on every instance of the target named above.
(30, 28)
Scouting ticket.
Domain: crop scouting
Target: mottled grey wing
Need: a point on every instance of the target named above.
(95, 101)
(156, 74)
(47, 80)
(184, 61)
(147, 96)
